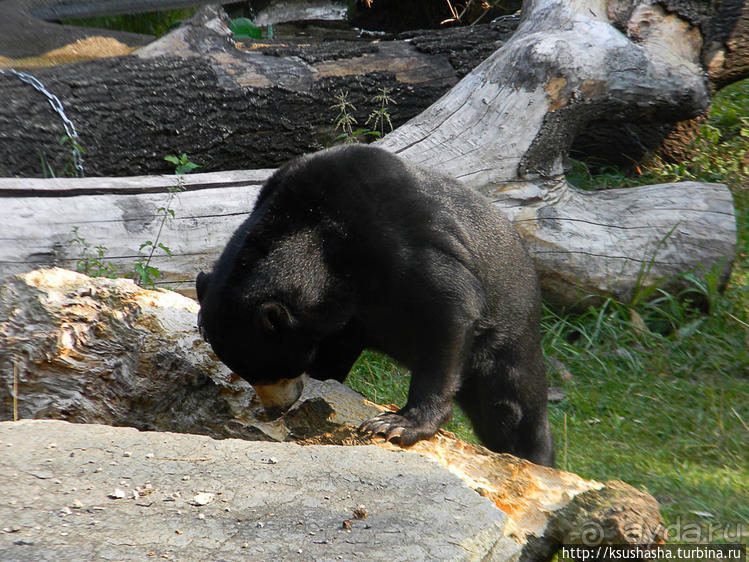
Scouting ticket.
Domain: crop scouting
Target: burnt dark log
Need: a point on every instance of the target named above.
(196, 92)
(259, 105)
(727, 48)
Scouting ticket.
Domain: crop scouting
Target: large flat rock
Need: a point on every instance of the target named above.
(59, 484)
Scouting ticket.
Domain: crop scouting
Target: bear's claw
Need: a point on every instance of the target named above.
(392, 426)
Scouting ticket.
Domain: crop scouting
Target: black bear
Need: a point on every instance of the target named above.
(354, 248)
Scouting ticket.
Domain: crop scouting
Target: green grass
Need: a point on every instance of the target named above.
(664, 411)
(659, 391)
(383, 381)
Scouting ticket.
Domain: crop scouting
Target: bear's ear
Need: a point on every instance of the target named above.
(274, 317)
(201, 284)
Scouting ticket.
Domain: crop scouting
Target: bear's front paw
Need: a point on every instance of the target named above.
(396, 427)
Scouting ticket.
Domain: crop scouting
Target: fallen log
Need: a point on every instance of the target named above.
(505, 129)
(199, 92)
(578, 247)
(228, 105)
(98, 225)
(108, 352)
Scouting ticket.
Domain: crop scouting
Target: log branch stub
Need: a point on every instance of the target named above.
(507, 127)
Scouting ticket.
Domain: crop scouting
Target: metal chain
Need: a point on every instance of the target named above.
(56, 104)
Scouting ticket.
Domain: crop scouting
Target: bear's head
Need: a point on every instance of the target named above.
(259, 339)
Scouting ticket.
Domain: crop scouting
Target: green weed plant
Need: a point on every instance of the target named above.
(91, 264)
(146, 275)
(345, 129)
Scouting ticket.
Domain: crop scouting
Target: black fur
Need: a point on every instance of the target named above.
(353, 248)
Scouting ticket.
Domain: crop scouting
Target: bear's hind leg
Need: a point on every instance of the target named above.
(507, 407)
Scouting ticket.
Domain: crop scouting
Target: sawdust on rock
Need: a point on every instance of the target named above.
(80, 50)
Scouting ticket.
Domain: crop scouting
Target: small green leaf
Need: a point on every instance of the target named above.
(166, 249)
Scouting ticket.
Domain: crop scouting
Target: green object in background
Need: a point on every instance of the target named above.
(245, 28)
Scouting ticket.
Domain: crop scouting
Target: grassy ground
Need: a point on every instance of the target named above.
(657, 393)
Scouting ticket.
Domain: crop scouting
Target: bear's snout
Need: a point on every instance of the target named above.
(278, 397)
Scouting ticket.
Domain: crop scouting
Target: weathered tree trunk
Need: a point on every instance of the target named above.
(105, 351)
(118, 215)
(505, 129)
